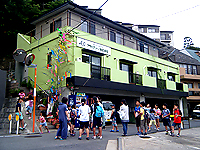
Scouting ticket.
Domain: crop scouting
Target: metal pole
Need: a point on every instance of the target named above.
(17, 132)
(10, 126)
(34, 104)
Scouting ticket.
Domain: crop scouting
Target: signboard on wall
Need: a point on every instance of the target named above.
(93, 46)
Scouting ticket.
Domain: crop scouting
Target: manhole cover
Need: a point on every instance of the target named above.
(33, 136)
(145, 136)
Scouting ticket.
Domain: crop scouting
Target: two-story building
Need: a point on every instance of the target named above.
(107, 58)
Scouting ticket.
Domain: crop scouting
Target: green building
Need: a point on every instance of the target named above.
(99, 57)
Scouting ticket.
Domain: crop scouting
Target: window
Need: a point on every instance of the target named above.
(190, 85)
(55, 24)
(199, 85)
(194, 71)
(186, 70)
(151, 30)
(146, 49)
(49, 59)
(86, 58)
(142, 30)
(152, 73)
(171, 77)
(118, 38)
(141, 47)
(124, 67)
(112, 36)
(165, 37)
(92, 28)
(70, 19)
(84, 26)
(128, 68)
(189, 69)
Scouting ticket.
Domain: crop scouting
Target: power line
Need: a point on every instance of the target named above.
(174, 13)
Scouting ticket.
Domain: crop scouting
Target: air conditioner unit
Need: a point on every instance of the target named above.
(79, 59)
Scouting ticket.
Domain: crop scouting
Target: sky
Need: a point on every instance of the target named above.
(180, 16)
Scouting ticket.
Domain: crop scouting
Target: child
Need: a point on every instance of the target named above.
(157, 116)
(22, 95)
(42, 122)
(30, 105)
(137, 116)
(152, 120)
(165, 116)
(177, 120)
(143, 120)
(73, 119)
(69, 121)
(114, 120)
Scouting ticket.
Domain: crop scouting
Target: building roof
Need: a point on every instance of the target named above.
(86, 12)
(139, 25)
(193, 54)
(178, 57)
(166, 31)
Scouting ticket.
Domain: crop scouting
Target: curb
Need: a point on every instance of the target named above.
(120, 143)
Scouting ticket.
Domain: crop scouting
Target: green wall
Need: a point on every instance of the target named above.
(40, 49)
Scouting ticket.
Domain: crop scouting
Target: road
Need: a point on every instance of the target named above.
(47, 141)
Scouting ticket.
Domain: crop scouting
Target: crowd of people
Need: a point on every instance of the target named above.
(91, 117)
(145, 116)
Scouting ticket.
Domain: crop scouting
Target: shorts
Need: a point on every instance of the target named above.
(20, 117)
(114, 122)
(137, 119)
(157, 117)
(29, 109)
(97, 122)
(152, 122)
(43, 124)
(84, 124)
(143, 124)
(72, 121)
(166, 122)
(176, 124)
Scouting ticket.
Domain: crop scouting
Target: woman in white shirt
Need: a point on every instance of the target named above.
(124, 115)
(84, 112)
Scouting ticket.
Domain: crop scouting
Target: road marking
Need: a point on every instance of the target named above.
(194, 147)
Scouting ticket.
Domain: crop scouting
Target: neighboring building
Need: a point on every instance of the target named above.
(108, 58)
(167, 37)
(153, 31)
(189, 74)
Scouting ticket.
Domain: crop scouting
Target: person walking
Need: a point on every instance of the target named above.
(19, 113)
(63, 117)
(84, 112)
(124, 116)
(137, 116)
(157, 116)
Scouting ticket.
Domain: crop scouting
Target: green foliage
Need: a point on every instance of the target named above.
(23, 83)
(14, 92)
(16, 16)
(194, 48)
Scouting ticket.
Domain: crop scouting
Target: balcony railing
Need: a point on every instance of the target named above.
(161, 83)
(179, 86)
(105, 73)
(98, 72)
(135, 78)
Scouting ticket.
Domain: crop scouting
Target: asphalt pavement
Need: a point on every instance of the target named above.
(46, 141)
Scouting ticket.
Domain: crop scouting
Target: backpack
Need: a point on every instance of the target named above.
(72, 114)
(146, 114)
(99, 112)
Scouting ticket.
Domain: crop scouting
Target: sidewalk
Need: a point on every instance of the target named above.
(190, 139)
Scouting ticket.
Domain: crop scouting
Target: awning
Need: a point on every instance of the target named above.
(153, 68)
(128, 61)
(172, 73)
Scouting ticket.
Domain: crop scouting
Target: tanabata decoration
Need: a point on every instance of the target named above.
(47, 66)
(55, 68)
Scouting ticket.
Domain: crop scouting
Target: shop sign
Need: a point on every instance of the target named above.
(93, 46)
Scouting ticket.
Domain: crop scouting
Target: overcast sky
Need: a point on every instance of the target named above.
(182, 15)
